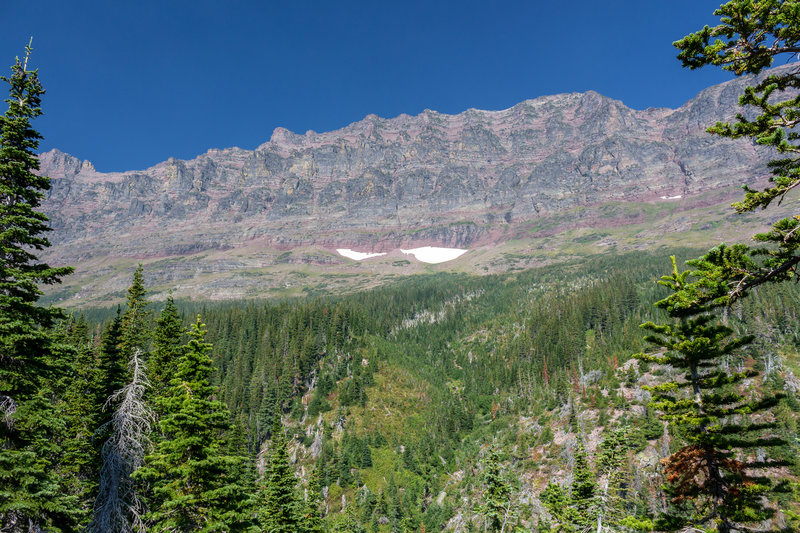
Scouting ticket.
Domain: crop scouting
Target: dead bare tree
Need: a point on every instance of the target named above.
(118, 507)
(7, 409)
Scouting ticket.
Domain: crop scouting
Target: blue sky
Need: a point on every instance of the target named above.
(131, 83)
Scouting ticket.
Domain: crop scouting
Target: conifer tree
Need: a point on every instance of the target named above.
(30, 495)
(126, 430)
(82, 411)
(167, 347)
(583, 489)
(347, 521)
(112, 367)
(751, 35)
(557, 502)
(313, 517)
(244, 470)
(112, 376)
(615, 494)
(368, 503)
(190, 472)
(495, 504)
(381, 510)
(279, 510)
(574, 509)
(711, 479)
(135, 325)
(366, 454)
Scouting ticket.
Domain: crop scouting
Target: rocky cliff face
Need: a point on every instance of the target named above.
(436, 179)
(445, 180)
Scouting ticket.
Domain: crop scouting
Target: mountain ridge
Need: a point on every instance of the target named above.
(474, 179)
(281, 134)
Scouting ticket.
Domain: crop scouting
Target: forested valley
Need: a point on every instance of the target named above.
(392, 409)
(614, 392)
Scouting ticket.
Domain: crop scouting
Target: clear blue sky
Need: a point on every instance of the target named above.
(131, 83)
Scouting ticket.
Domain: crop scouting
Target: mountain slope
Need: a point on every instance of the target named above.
(479, 179)
(408, 385)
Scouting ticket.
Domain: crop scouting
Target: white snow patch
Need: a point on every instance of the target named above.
(358, 256)
(432, 254)
(671, 197)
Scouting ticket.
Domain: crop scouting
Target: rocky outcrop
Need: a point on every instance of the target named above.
(431, 179)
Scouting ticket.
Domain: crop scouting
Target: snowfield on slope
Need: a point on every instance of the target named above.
(432, 254)
(426, 254)
(358, 256)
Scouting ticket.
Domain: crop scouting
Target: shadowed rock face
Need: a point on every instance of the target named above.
(432, 179)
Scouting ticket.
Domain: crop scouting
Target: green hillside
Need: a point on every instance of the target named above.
(394, 396)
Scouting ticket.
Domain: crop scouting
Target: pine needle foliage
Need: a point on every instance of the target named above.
(312, 517)
(614, 492)
(750, 36)
(82, 412)
(113, 368)
(190, 472)
(280, 508)
(135, 329)
(495, 506)
(714, 479)
(168, 346)
(574, 509)
(30, 495)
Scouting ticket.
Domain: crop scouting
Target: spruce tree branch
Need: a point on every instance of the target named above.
(787, 189)
(749, 280)
(789, 235)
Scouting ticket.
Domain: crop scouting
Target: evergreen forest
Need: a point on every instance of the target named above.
(631, 391)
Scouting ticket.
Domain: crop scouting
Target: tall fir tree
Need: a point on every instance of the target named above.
(128, 419)
(713, 482)
(615, 492)
(30, 495)
(583, 490)
(135, 325)
(191, 473)
(82, 411)
(750, 36)
(113, 367)
(168, 346)
(312, 518)
(556, 500)
(280, 510)
(574, 509)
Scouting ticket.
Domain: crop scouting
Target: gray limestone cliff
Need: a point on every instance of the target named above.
(430, 179)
